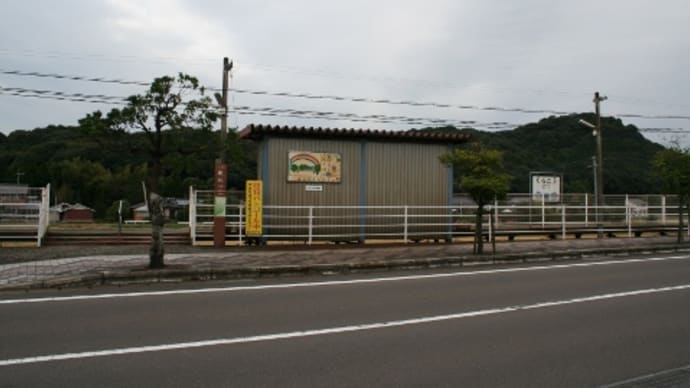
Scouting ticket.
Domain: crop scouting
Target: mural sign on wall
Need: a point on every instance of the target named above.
(304, 166)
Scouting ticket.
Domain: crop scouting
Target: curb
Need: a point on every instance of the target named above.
(204, 274)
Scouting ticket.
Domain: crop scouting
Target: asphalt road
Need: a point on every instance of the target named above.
(582, 323)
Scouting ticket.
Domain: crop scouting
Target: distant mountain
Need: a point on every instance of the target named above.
(95, 166)
(562, 145)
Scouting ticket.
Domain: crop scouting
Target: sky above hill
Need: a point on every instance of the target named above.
(489, 64)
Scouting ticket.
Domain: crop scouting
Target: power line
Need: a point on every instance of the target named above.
(55, 54)
(311, 96)
(62, 96)
(267, 111)
(261, 67)
(302, 71)
(297, 113)
(73, 77)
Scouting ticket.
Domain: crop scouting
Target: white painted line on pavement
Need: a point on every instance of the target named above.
(333, 330)
(649, 379)
(339, 282)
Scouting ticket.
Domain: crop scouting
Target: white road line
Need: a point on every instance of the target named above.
(648, 380)
(339, 282)
(333, 330)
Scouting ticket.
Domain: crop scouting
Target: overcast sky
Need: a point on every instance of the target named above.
(544, 55)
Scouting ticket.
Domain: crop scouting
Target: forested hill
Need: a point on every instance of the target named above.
(96, 166)
(561, 144)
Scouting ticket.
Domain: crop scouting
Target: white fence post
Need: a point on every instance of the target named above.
(192, 214)
(628, 211)
(563, 218)
(663, 209)
(240, 223)
(543, 211)
(311, 223)
(495, 213)
(405, 230)
(586, 209)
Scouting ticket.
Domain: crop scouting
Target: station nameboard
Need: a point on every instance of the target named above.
(546, 186)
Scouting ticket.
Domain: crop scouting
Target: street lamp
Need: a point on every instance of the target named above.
(599, 163)
(595, 169)
(588, 124)
(600, 157)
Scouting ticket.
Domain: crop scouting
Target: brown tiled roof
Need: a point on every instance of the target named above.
(257, 132)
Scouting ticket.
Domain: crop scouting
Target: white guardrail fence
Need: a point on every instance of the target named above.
(519, 214)
(25, 214)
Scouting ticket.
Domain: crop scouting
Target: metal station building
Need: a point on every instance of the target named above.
(352, 176)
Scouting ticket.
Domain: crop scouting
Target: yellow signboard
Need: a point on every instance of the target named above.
(254, 206)
(305, 166)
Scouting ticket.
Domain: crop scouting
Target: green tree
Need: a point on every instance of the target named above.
(481, 174)
(84, 181)
(673, 167)
(170, 105)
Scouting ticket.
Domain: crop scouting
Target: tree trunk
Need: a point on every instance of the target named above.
(478, 226)
(156, 251)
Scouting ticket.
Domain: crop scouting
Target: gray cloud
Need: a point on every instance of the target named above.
(534, 54)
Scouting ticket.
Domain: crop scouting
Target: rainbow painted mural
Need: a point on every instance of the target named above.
(304, 166)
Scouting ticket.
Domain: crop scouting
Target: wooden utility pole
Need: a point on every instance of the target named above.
(220, 176)
(227, 66)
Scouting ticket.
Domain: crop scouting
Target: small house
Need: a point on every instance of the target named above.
(67, 212)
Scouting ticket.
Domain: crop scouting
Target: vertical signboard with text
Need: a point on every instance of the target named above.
(254, 208)
(220, 183)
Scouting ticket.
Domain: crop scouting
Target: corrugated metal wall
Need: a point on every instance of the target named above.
(278, 191)
(395, 174)
(409, 174)
(406, 174)
(282, 192)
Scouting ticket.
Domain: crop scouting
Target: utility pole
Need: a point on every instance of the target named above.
(600, 160)
(223, 102)
(221, 167)
(596, 192)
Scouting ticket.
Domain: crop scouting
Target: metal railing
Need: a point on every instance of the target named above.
(517, 215)
(25, 214)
